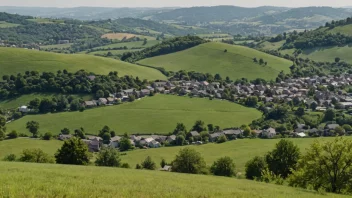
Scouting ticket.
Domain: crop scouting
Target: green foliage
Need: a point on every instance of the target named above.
(224, 167)
(10, 158)
(347, 127)
(79, 133)
(36, 156)
(180, 129)
(188, 160)
(222, 139)
(13, 134)
(329, 115)
(163, 163)
(73, 151)
(255, 167)
(33, 127)
(283, 159)
(252, 101)
(47, 136)
(125, 144)
(199, 126)
(108, 157)
(326, 166)
(148, 163)
(65, 131)
(138, 166)
(125, 165)
(180, 140)
(270, 177)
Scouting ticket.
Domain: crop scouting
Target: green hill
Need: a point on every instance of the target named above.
(236, 63)
(87, 181)
(158, 114)
(14, 60)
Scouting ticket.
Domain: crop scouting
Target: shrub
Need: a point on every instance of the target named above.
(36, 156)
(108, 157)
(73, 151)
(224, 167)
(222, 139)
(125, 165)
(47, 136)
(188, 160)
(148, 164)
(13, 134)
(10, 158)
(254, 167)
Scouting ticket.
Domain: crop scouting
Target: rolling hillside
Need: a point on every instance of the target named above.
(158, 114)
(87, 181)
(236, 63)
(13, 61)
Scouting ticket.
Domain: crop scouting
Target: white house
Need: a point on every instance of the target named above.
(23, 109)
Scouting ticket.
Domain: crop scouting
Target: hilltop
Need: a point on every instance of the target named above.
(158, 114)
(87, 181)
(211, 58)
(14, 60)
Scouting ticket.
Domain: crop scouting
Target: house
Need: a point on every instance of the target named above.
(144, 92)
(159, 84)
(102, 101)
(214, 137)
(129, 92)
(171, 138)
(89, 104)
(63, 137)
(232, 133)
(194, 134)
(24, 109)
(154, 144)
(166, 168)
(114, 141)
(91, 77)
(269, 133)
(111, 100)
(93, 145)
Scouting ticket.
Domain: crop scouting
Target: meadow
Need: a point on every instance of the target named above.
(57, 46)
(15, 60)
(211, 58)
(114, 52)
(36, 180)
(46, 20)
(25, 99)
(328, 54)
(158, 114)
(4, 24)
(120, 36)
(130, 45)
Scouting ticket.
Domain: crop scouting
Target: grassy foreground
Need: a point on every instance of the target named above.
(14, 60)
(46, 180)
(236, 63)
(158, 114)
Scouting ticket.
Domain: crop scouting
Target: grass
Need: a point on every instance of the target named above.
(4, 24)
(25, 99)
(328, 54)
(158, 114)
(346, 29)
(272, 45)
(130, 45)
(58, 46)
(114, 52)
(16, 146)
(236, 63)
(44, 20)
(15, 60)
(120, 36)
(240, 151)
(48, 180)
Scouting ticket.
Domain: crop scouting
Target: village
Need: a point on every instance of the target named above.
(317, 94)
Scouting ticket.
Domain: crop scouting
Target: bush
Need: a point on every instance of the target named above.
(10, 158)
(189, 160)
(148, 164)
(13, 134)
(224, 167)
(254, 167)
(138, 166)
(47, 136)
(125, 165)
(108, 157)
(36, 156)
(222, 139)
(73, 151)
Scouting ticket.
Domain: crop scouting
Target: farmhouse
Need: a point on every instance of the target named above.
(24, 109)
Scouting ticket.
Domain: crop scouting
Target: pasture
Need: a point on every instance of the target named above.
(15, 60)
(120, 36)
(158, 114)
(4, 24)
(36, 180)
(130, 45)
(212, 58)
(57, 46)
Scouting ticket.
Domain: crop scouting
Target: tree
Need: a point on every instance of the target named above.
(347, 127)
(337, 59)
(329, 115)
(326, 165)
(125, 165)
(145, 41)
(108, 157)
(36, 156)
(261, 61)
(106, 138)
(199, 126)
(125, 144)
(47, 136)
(73, 151)
(188, 160)
(131, 98)
(210, 127)
(339, 131)
(163, 163)
(34, 104)
(225, 50)
(148, 164)
(255, 167)
(10, 158)
(180, 129)
(300, 111)
(65, 131)
(180, 140)
(252, 101)
(224, 167)
(246, 131)
(80, 133)
(13, 134)
(33, 127)
(99, 94)
(313, 106)
(75, 105)
(138, 166)
(222, 139)
(283, 158)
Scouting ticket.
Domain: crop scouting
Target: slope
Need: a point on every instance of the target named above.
(43, 180)
(158, 114)
(236, 63)
(13, 61)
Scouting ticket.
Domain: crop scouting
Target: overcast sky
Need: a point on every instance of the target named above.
(173, 3)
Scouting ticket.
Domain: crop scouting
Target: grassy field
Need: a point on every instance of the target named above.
(240, 151)
(158, 114)
(58, 46)
(272, 45)
(114, 52)
(25, 99)
(236, 63)
(47, 180)
(16, 146)
(44, 20)
(130, 45)
(14, 60)
(120, 36)
(4, 24)
(346, 29)
(329, 54)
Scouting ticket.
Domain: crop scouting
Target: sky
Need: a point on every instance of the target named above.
(173, 3)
